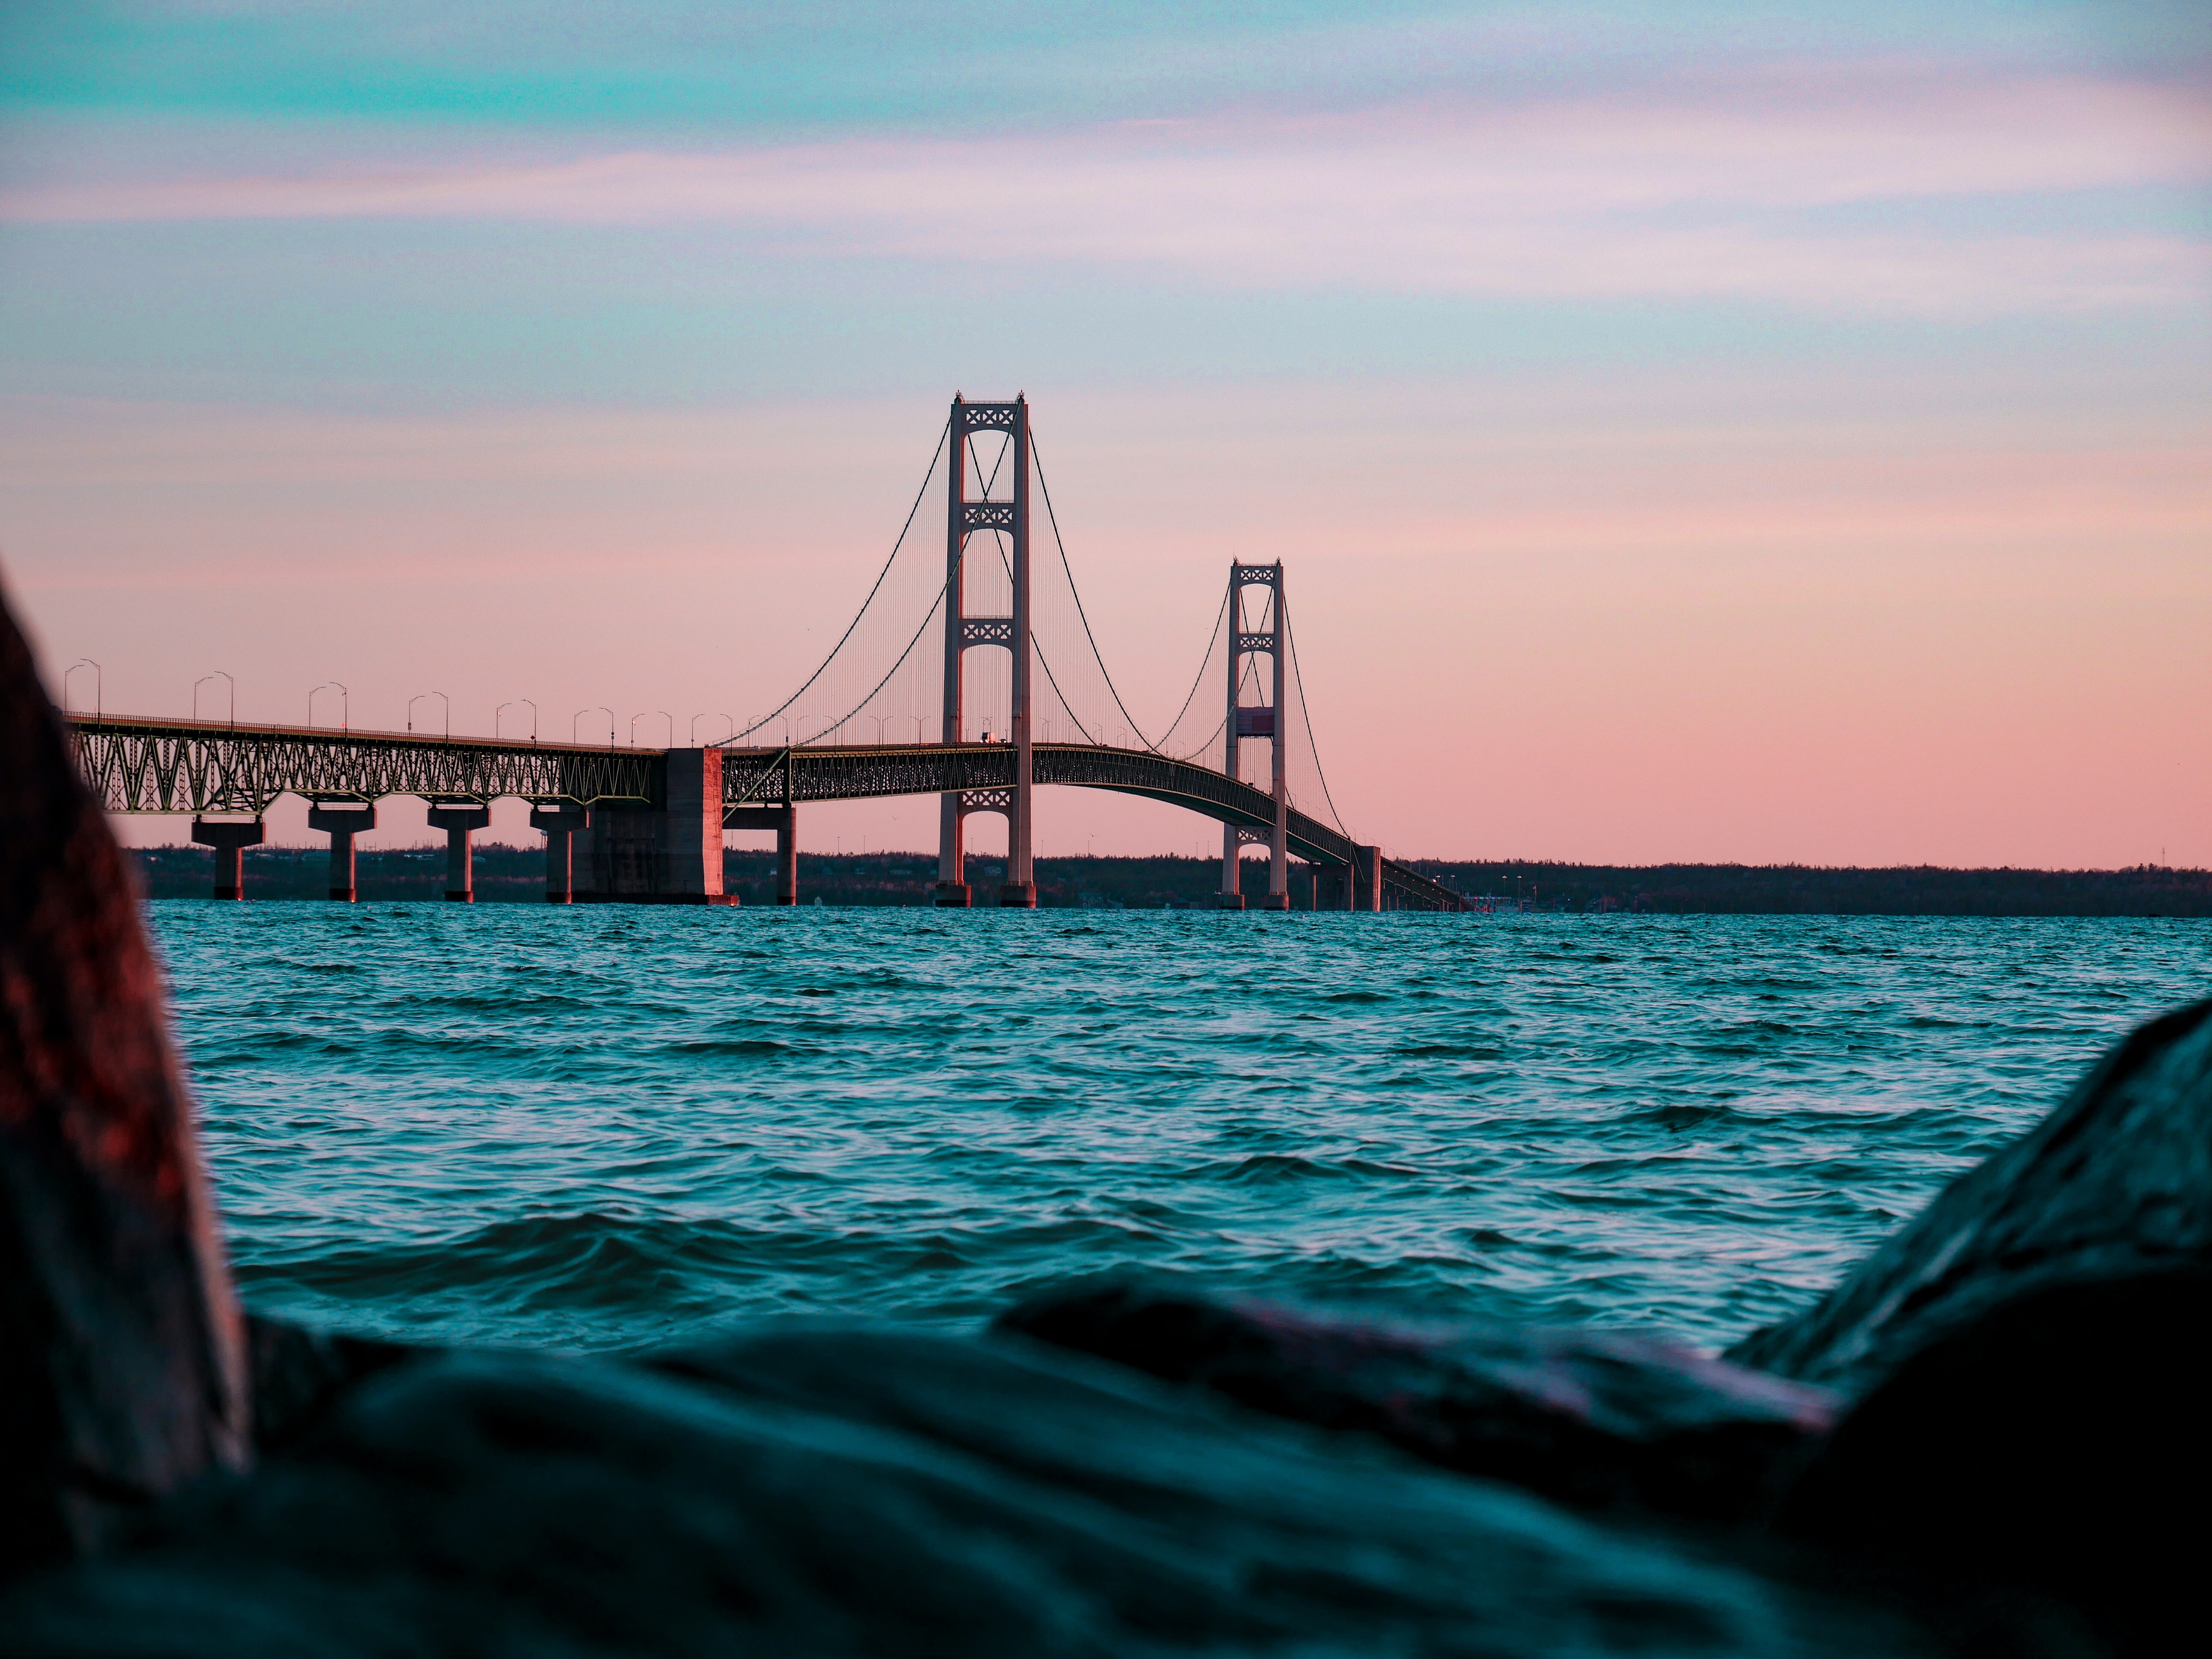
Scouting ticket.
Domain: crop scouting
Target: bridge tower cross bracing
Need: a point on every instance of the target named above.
(1251, 723)
(965, 520)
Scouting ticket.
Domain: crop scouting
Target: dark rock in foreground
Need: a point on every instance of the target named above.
(1597, 1420)
(2116, 1182)
(866, 1490)
(2051, 1456)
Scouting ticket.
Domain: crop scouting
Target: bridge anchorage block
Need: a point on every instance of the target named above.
(229, 838)
(953, 895)
(459, 819)
(341, 821)
(1018, 895)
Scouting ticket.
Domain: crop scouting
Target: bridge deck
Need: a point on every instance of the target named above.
(140, 765)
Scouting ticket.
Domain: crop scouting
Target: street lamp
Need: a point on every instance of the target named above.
(664, 715)
(217, 675)
(345, 704)
(97, 677)
(422, 696)
(579, 714)
(510, 704)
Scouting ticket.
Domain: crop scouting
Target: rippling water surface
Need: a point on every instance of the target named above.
(595, 1127)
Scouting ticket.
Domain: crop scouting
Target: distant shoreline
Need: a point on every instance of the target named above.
(508, 874)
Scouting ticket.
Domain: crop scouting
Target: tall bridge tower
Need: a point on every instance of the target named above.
(1256, 722)
(963, 632)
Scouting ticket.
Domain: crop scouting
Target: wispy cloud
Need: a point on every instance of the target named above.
(1798, 197)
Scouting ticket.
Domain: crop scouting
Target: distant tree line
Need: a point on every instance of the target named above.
(517, 874)
(1814, 890)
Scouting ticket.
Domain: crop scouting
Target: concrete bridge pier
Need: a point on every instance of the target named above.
(341, 821)
(784, 821)
(459, 819)
(1367, 883)
(952, 854)
(1232, 896)
(230, 839)
(560, 823)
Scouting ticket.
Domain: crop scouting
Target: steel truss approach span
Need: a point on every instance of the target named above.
(208, 767)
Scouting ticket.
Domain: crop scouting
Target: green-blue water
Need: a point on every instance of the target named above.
(594, 1127)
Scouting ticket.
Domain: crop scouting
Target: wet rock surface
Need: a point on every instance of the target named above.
(1596, 1420)
(811, 1490)
(299, 1374)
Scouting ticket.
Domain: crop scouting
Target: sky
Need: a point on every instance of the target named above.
(1765, 433)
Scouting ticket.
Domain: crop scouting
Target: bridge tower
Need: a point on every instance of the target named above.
(963, 632)
(1248, 724)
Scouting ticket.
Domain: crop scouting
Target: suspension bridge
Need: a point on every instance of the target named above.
(1000, 680)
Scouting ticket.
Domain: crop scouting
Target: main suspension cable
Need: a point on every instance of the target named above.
(1044, 663)
(1305, 714)
(958, 564)
(927, 479)
(1052, 518)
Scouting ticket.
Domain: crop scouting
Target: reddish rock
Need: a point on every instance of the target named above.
(121, 1372)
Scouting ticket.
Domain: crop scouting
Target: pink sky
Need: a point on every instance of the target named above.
(1791, 456)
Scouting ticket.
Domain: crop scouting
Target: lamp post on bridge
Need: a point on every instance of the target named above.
(510, 704)
(664, 715)
(424, 697)
(217, 675)
(345, 704)
(603, 709)
(98, 677)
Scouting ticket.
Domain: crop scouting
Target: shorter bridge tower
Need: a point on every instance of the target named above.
(1254, 723)
(963, 632)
